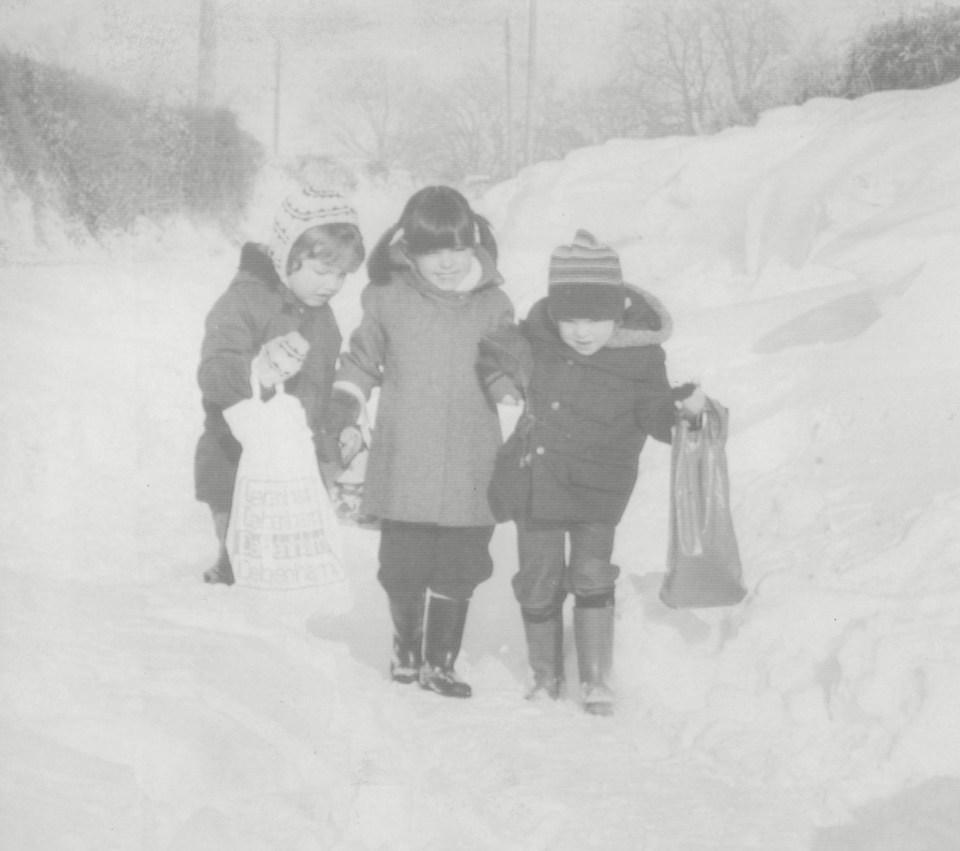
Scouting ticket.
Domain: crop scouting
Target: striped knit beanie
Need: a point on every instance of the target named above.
(300, 211)
(585, 281)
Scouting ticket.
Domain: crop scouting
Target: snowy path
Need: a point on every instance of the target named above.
(150, 717)
(145, 710)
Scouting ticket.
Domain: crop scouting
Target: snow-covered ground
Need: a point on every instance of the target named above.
(811, 266)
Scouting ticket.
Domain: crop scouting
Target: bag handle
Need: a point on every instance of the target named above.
(256, 388)
(712, 422)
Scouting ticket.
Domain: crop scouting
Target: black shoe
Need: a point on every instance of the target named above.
(442, 634)
(405, 674)
(443, 681)
(221, 573)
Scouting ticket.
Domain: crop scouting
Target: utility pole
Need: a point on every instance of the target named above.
(277, 63)
(508, 48)
(207, 55)
(531, 75)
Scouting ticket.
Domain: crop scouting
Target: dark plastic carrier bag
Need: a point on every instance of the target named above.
(703, 560)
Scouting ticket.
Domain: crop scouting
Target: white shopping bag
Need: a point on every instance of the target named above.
(283, 533)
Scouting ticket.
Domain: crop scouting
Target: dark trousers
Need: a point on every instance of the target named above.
(546, 575)
(449, 560)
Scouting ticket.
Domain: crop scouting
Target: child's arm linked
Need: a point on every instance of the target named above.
(505, 365)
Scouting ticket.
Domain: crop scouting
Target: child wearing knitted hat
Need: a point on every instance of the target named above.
(274, 323)
(590, 368)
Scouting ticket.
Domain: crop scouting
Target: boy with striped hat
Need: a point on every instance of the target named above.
(589, 365)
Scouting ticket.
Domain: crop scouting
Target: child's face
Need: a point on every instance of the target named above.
(586, 336)
(315, 283)
(447, 268)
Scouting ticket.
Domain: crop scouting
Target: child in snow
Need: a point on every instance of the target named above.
(434, 292)
(274, 320)
(589, 365)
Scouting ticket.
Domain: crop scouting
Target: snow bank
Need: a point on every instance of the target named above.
(810, 265)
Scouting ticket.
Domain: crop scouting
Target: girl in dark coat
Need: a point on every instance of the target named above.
(434, 293)
(274, 320)
(588, 362)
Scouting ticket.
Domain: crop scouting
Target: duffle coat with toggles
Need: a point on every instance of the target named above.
(255, 308)
(436, 433)
(574, 454)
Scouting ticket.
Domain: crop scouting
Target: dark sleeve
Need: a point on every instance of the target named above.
(656, 412)
(231, 341)
(505, 359)
(362, 363)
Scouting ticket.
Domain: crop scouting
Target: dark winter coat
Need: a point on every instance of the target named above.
(256, 307)
(436, 434)
(574, 454)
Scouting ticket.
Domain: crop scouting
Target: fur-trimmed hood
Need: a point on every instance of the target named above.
(507, 351)
(256, 267)
(646, 321)
(255, 261)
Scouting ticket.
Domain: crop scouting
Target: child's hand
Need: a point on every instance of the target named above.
(351, 442)
(693, 405)
(280, 359)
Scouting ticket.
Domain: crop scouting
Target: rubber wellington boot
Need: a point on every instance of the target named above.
(545, 654)
(407, 639)
(442, 633)
(593, 631)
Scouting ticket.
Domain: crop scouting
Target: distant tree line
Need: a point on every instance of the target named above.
(912, 52)
(690, 67)
(105, 158)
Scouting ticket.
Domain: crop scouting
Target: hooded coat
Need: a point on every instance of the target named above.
(436, 434)
(574, 455)
(256, 307)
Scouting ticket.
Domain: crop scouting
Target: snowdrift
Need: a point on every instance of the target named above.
(810, 263)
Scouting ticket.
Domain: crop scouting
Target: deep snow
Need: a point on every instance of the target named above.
(810, 266)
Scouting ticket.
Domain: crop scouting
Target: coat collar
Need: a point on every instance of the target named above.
(488, 275)
(255, 261)
(256, 265)
(646, 321)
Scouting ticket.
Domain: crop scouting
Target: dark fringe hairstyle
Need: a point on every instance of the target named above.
(434, 218)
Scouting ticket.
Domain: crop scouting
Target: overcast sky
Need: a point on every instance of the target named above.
(150, 46)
